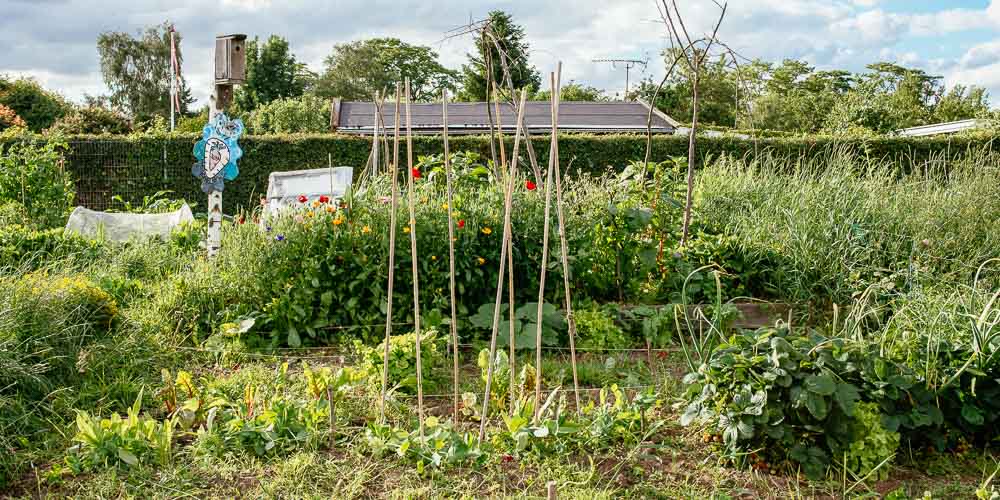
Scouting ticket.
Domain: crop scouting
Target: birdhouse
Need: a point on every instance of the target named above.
(230, 59)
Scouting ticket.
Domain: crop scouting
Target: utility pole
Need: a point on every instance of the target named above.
(629, 64)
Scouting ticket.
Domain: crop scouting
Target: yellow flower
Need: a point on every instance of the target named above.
(480, 260)
(434, 257)
(330, 209)
(338, 221)
(315, 204)
(487, 230)
(366, 230)
(309, 213)
(406, 230)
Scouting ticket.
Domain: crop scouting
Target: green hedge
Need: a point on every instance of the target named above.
(104, 166)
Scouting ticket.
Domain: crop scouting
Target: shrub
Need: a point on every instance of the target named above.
(597, 330)
(10, 119)
(115, 442)
(33, 174)
(402, 361)
(305, 114)
(38, 107)
(91, 120)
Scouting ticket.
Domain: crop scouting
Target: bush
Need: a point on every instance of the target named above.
(403, 361)
(38, 107)
(305, 114)
(33, 174)
(91, 120)
(597, 330)
(10, 119)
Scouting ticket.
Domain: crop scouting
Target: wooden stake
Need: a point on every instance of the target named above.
(564, 246)
(545, 256)
(451, 253)
(413, 257)
(550, 490)
(509, 231)
(392, 256)
(503, 255)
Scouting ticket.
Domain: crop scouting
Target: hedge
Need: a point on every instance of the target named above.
(137, 166)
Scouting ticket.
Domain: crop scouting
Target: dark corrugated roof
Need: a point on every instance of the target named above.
(472, 117)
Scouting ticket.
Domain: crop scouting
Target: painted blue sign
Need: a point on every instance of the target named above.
(217, 152)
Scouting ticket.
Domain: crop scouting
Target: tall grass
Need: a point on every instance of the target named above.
(843, 225)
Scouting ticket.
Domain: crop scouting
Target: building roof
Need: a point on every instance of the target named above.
(472, 117)
(941, 128)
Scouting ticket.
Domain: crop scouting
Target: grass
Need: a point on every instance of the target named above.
(901, 251)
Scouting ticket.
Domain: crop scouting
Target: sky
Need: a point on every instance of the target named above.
(54, 40)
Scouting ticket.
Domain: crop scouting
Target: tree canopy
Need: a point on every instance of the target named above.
(137, 71)
(356, 70)
(485, 64)
(37, 107)
(272, 73)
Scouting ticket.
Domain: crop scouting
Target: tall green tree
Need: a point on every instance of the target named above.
(485, 66)
(272, 73)
(137, 71)
(38, 107)
(573, 91)
(356, 70)
(717, 92)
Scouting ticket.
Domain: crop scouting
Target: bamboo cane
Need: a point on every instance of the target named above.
(413, 258)
(509, 231)
(570, 319)
(545, 256)
(451, 253)
(503, 254)
(392, 256)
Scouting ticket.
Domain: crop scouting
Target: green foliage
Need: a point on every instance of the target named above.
(272, 72)
(37, 107)
(597, 330)
(91, 120)
(118, 442)
(9, 120)
(500, 390)
(358, 69)
(137, 71)
(439, 446)
(403, 361)
(573, 91)
(33, 174)
(525, 324)
(874, 446)
(501, 38)
(304, 114)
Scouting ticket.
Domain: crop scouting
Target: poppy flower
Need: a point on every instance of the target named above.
(324, 199)
(461, 223)
(303, 198)
(530, 186)
(507, 459)
(416, 172)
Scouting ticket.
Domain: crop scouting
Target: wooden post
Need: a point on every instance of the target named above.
(392, 256)
(223, 93)
(545, 251)
(564, 247)
(550, 490)
(375, 144)
(503, 255)
(413, 257)
(451, 253)
(509, 231)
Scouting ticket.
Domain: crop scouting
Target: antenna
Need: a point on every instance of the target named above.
(629, 64)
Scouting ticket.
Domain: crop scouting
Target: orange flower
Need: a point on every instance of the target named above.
(338, 221)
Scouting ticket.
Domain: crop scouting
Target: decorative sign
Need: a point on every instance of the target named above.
(217, 153)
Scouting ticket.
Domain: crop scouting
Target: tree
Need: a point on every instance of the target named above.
(272, 73)
(486, 65)
(356, 70)
(304, 114)
(137, 71)
(37, 107)
(717, 89)
(962, 103)
(573, 91)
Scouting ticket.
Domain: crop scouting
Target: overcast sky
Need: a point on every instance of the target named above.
(54, 40)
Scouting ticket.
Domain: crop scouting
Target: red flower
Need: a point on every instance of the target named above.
(507, 459)
(416, 173)
(530, 185)
(324, 199)
(303, 198)
(461, 223)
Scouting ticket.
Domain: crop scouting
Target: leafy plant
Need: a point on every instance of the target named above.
(440, 445)
(597, 330)
(33, 174)
(116, 442)
(525, 324)
(403, 361)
